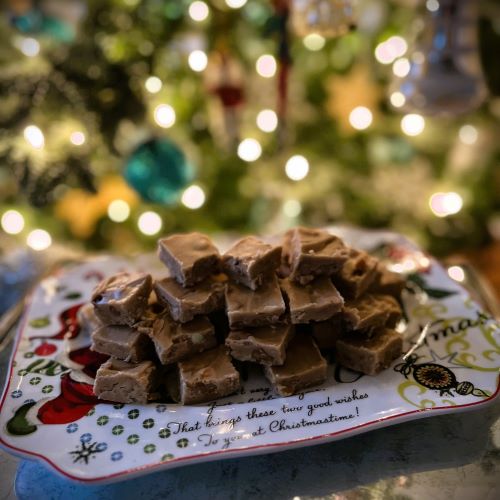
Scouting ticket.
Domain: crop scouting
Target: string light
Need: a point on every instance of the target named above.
(360, 118)
(30, 47)
(149, 223)
(266, 66)
(164, 115)
(34, 136)
(292, 208)
(444, 204)
(249, 150)
(456, 273)
(314, 41)
(197, 60)
(77, 138)
(412, 124)
(198, 11)
(297, 167)
(432, 5)
(193, 197)
(118, 210)
(267, 120)
(153, 84)
(397, 99)
(12, 222)
(388, 51)
(39, 239)
(401, 67)
(236, 4)
(468, 134)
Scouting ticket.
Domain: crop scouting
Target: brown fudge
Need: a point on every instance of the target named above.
(261, 307)
(393, 310)
(176, 341)
(190, 257)
(265, 345)
(250, 261)
(122, 298)
(304, 367)
(316, 301)
(87, 319)
(366, 313)
(123, 382)
(186, 303)
(356, 275)
(369, 356)
(387, 282)
(326, 333)
(122, 342)
(207, 376)
(312, 252)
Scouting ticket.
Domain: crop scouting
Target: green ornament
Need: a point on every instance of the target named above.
(158, 171)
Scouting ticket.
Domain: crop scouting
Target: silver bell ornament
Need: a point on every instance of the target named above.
(445, 76)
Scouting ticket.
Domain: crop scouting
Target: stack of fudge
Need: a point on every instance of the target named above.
(285, 307)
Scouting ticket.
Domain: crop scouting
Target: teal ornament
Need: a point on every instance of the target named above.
(158, 171)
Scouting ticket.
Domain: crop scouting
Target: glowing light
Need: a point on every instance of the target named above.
(149, 223)
(30, 47)
(118, 210)
(444, 204)
(164, 115)
(360, 118)
(468, 134)
(397, 99)
(249, 149)
(297, 167)
(236, 4)
(197, 60)
(12, 222)
(456, 273)
(34, 136)
(412, 124)
(198, 11)
(292, 208)
(266, 66)
(39, 239)
(267, 120)
(432, 5)
(314, 41)
(193, 197)
(401, 67)
(388, 51)
(77, 138)
(153, 84)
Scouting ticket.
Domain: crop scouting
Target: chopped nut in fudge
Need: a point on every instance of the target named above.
(176, 341)
(304, 367)
(326, 333)
(122, 298)
(207, 376)
(250, 261)
(316, 301)
(124, 382)
(369, 355)
(186, 303)
(191, 257)
(265, 345)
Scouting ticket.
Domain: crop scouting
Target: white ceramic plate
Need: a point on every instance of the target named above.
(49, 412)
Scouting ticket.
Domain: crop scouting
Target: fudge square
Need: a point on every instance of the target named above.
(121, 342)
(87, 319)
(312, 252)
(122, 298)
(387, 282)
(366, 313)
(246, 307)
(186, 303)
(175, 341)
(190, 257)
(250, 261)
(317, 301)
(304, 367)
(326, 333)
(265, 345)
(356, 275)
(124, 382)
(369, 355)
(207, 376)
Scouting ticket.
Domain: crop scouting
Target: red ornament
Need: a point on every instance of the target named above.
(45, 349)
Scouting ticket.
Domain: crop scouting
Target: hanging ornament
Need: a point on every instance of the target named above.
(158, 171)
(445, 76)
(328, 18)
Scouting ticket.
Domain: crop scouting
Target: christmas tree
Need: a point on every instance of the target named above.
(125, 119)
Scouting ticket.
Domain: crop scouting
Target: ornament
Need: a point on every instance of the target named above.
(445, 76)
(158, 171)
(329, 18)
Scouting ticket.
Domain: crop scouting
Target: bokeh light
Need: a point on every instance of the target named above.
(292, 208)
(387, 52)
(149, 223)
(12, 222)
(412, 124)
(164, 115)
(77, 138)
(314, 41)
(34, 136)
(397, 99)
(456, 273)
(267, 120)
(29, 47)
(444, 204)
(360, 118)
(249, 149)
(39, 239)
(468, 134)
(153, 84)
(432, 5)
(236, 4)
(297, 167)
(266, 66)
(193, 197)
(197, 60)
(198, 11)
(401, 67)
(118, 210)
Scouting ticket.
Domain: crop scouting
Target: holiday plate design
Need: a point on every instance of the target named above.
(49, 411)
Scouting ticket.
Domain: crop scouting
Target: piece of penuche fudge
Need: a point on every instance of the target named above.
(122, 299)
(326, 333)
(87, 319)
(190, 257)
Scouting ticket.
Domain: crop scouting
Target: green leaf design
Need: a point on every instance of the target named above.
(437, 293)
(72, 295)
(41, 322)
